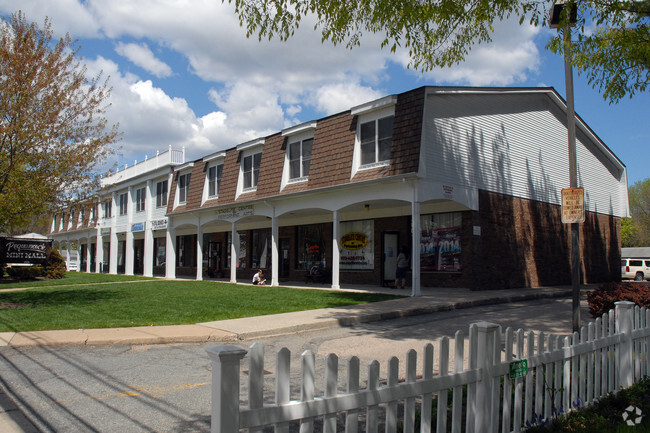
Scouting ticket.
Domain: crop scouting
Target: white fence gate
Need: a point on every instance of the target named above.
(491, 389)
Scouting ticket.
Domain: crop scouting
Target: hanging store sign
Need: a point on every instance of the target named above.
(137, 227)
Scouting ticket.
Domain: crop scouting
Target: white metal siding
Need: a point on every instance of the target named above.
(515, 144)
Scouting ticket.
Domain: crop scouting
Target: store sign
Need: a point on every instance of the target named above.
(160, 224)
(106, 231)
(354, 241)
(137, 227)
(31, 251)
(357, 245)
(235, 212)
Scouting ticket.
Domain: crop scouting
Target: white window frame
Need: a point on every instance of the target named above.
(213, 162)
(183, 185)
(248, 150)
(297, 134)
(141, 199)
(123, 204)
(371, 112)
(162, 196)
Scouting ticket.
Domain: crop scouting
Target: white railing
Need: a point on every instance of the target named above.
(168, 157)
(511, 379)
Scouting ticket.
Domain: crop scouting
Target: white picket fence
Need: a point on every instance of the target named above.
(500, 394)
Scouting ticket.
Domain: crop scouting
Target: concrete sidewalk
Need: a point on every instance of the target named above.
(432, 300)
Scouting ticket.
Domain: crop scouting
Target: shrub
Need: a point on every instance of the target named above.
(602, 299)
(55, 266)
(25, 272)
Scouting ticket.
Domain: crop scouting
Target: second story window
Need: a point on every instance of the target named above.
(124, 201)
(161, 194)
(214, 180)
(300, 158)
(376, 138)
(183, 187)
(140, 197)
(251, 170)
(108, 209)
(82, 214)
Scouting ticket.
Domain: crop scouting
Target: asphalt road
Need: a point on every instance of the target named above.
(166, 388)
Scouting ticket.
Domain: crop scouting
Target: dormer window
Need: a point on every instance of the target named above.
(251, 170)
(374, 133)
(300, 158)
(214, 180)
(299, 140)
(376, 138)
(183, 187)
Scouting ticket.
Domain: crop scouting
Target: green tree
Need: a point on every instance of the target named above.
(639, 194)
(612, 46)
(53, 135)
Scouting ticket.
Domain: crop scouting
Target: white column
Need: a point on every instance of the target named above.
(199, 250)
(113, 250)
(336, 250)
(170, 253)
(148, 255)
(112, 269)
(128, 253)
(79, 255)
(415, 241)
(88, 255)
(234, 252)
(99, 251)
(275, 236)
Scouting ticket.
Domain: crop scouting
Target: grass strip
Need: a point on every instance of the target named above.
(83, 303)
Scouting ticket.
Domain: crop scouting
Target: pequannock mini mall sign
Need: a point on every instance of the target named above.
(30, 251)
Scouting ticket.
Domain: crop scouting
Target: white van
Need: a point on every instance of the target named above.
(635, 269)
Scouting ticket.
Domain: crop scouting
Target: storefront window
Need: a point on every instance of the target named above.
(440, 242)
(186, 247)
(243, 248)
(261, 248)
(160, 251)
(311, 247)
(357, 244)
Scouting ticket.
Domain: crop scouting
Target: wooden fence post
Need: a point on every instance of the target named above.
(225, 387)
(486, 349)
(624, 318)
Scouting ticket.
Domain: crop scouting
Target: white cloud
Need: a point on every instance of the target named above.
(142, 56)
(258, 88)
(338, 97)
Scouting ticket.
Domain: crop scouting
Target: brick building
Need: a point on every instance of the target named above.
(467, 179)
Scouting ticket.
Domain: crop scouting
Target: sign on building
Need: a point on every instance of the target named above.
(573, 205)
(27, 251)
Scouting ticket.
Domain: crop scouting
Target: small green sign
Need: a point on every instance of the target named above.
(518, 369)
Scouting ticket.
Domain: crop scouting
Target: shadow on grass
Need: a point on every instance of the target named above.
(54, 298)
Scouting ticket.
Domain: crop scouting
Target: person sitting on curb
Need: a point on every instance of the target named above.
(258, 278)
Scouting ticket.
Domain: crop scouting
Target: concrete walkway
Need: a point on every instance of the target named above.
(431, 300)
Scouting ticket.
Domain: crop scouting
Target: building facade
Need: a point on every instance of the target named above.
(468, 180)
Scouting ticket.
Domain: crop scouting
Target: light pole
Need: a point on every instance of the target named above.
(556, 18)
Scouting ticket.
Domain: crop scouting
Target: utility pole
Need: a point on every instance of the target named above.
(566, 13)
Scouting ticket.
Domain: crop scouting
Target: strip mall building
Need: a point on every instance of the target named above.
(469, 180)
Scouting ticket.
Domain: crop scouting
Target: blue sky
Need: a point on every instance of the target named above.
(184, 74)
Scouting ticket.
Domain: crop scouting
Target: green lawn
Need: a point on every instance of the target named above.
(81, 301)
